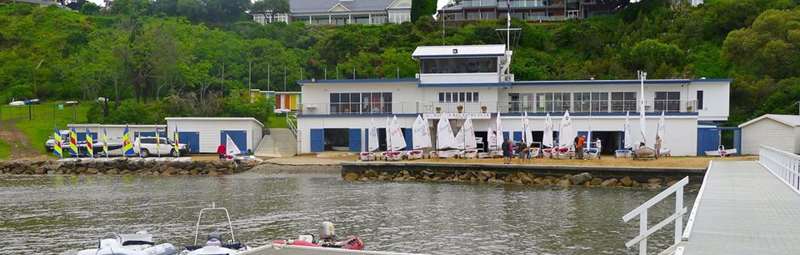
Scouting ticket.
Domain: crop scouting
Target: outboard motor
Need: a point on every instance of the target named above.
(327, 231)
(214, 239)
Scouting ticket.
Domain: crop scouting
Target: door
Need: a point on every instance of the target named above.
(317, 140)
(707, 140)
(354, 140)
(191, 139)
(239, 138)
(408, 136)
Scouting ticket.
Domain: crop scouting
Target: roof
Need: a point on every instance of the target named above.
(789, 120)
(460, 50)
(84, 125)
(350, 81)
(617, 82)
(306, 6)
(214, 119)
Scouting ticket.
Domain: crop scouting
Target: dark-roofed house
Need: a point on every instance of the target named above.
(342, 12)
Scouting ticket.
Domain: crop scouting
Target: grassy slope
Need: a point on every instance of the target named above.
(4, 150)
(41, 126)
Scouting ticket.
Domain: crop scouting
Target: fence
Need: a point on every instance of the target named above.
(676, 217)
(784, 165)
(40, 112)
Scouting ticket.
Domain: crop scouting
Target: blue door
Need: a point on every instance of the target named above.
(191, 139)
(317, 140)
(408, 135)
(354, 140)
(517, 136)
(506, 136)
(239, 138)
(707, 140)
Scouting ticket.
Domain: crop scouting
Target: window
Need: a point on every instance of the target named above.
(521, 102)
(623, 101)
(458, 97)
(582, 102)
(360, 103)
(599, 102)
(459, 65)
(668, 101)
(553, 102)
(561, 102)
(700, 105)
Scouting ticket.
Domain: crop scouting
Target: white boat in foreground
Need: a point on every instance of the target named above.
(140, 243)
(214, 244)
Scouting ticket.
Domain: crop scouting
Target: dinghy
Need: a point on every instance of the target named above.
(421, 138)
(721, 152)
(470, 144)
(445, 141)
(626, 151)
(660, 138)
(547, 137)
(214, 244)
(372, 144)
(327, 239)
(566, 136)
(140, 243)
(396, 142)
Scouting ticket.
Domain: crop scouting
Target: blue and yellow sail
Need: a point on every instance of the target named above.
(57, 144)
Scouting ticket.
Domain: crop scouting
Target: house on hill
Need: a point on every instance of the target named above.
(343, 12)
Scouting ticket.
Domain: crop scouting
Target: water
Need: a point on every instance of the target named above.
(62, 214)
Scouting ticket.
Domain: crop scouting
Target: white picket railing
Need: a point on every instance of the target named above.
(784, 165)
(676, 217)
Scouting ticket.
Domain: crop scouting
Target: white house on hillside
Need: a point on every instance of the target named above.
(342, 12)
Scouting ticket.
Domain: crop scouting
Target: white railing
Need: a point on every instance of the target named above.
(291, 123)
(784, 165)
(641, 211)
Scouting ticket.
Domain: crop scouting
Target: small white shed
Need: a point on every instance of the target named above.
(203, 135)
(779, 131)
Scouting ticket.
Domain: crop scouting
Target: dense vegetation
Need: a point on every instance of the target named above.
(139, 53)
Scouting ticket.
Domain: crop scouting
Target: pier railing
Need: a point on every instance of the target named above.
(641, 212)
(782, 164)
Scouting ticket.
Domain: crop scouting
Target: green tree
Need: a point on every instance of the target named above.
(420, 8)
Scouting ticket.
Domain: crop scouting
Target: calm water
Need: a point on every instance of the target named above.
(62, 214)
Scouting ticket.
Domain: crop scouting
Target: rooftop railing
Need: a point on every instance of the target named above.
(422, 107)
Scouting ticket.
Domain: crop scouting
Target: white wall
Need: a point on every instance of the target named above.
(680, 133)
(459, 77)
(768, 132)
(716, 97)
(209, 130)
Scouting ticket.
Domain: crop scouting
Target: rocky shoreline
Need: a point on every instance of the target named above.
(518, 178)
(124, 166)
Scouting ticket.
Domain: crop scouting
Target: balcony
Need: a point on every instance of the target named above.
(422, 107)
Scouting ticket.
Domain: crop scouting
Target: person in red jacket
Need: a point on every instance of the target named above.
(221, 150)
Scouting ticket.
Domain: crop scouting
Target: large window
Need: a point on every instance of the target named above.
(623, 101)
(599, 101)
(582, 102)
(553, 102)
(460, 65)
(360, 103)
(668, 101)
(521, 102)
(458, 97)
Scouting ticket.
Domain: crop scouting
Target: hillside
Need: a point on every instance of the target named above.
(144, 57)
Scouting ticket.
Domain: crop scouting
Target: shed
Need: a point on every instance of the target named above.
(779, 131)
(204, 134)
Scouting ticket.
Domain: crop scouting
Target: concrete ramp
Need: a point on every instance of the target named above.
(279, 143)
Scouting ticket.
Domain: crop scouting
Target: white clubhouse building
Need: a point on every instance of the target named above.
(473, 80)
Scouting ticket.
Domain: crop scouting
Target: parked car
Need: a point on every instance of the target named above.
(146, 146)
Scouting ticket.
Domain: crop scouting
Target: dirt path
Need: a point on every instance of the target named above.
(19, 143)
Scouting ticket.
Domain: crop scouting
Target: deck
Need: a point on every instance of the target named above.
(744, 209)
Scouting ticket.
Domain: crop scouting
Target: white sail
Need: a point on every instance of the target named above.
(642, 125)
(469, 135)
(566, 134)
(547, 137)
(458, 142)
(499, 133)
(444, 133)
(491, 138)
(661, 128)
(421, 135)
(373, 137)
(627, 131)
(398, 140)
(527, 135)
(231, 147)
(388, 131)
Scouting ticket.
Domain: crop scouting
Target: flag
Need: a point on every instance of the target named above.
(127, 146)
(105, 142)
(73, 142)
(176, 142)
(57, 143)
(89, 143)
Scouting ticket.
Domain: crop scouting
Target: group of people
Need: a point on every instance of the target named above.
(524, 152)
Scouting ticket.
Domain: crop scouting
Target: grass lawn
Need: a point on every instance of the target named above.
(277, 121)
(4, 150)
(45, 117)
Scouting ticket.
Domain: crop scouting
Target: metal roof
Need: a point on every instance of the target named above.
(310, 6)
(460, 50)
(214, 119)
(617, 82)
(789, 120)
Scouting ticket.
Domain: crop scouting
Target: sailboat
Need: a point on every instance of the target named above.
(230, 146)
(527, 135)
(372, 143)
(396, 142)
(625, 152)
(547, 137)
(499, 139)
(444, 138)
(566, 136)
(470, 145)
(660, 130)
(421, 138)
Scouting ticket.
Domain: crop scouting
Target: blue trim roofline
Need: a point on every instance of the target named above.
(301, 82)
(617, 82)
(633, 115)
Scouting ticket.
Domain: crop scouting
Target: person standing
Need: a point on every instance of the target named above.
(579, 145)
(508, 149)
(599, 147)
(221, 151)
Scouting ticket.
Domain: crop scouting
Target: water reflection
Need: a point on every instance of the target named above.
(56, 214)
